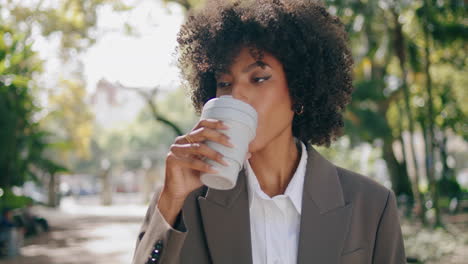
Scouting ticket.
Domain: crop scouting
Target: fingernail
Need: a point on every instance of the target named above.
(224, 162)
(211, 169)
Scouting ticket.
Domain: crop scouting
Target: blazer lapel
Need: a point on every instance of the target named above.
(226, 222)
(325, 216)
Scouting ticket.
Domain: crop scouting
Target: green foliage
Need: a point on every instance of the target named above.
(22, 141)
(449, 187)
(445, 21)
(12, 201)
(71, 120)
(370, 25)
(17, 130)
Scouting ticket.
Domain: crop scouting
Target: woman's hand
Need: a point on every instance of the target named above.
(186, 161)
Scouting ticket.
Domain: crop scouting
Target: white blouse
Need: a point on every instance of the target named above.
(275, 222)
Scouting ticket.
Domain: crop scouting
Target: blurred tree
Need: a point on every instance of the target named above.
(72, 122)
(391, 41)
(149, 97)
(22, 140)
(399, 47)
(143, 138)
(443, 24)
(73, 23)
(132, 145)
(375, 90)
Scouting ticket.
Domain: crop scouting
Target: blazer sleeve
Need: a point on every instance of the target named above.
(158, 242)
(389, 246)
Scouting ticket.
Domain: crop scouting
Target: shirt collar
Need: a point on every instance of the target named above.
(295, 186)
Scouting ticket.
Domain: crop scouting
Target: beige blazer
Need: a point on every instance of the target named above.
(346, 218)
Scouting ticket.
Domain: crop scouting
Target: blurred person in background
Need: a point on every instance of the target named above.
(11, 235)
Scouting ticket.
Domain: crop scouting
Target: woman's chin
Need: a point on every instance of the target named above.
(255, 146)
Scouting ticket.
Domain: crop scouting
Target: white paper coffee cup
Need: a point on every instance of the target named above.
(241, 118)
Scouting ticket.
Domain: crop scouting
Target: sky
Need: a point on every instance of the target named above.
(144, 60)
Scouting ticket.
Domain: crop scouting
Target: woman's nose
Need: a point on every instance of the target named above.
(240, 92)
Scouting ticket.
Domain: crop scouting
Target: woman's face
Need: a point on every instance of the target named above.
(263, 85)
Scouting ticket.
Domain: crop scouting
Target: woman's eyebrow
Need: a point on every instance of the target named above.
(255, 64)
(246, 69)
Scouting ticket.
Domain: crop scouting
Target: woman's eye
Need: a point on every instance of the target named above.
(223, 84)
(261, 79)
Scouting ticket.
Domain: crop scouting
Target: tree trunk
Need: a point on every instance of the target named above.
(52, 192)
(417, 197)
(430, 142)
(106, 188)
(162, 119)
(399, 46)
(398, 175)
(447, 172)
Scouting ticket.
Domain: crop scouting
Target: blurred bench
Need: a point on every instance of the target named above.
(33, 224)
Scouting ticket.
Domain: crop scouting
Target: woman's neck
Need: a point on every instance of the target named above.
(275, 164)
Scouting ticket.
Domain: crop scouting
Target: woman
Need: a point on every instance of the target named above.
(290, 60)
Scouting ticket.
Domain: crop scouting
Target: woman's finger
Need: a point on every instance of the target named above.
(199, 150)
(194, 164)
(210, 123)
(205, 133)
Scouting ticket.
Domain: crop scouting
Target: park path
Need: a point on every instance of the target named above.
(85, 233)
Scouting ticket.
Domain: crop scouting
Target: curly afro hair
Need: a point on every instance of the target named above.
(311, 44)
